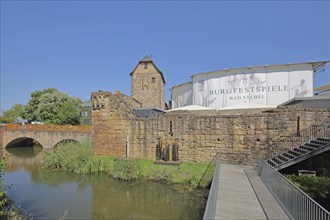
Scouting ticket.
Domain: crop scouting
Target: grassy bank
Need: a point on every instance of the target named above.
(79, 158)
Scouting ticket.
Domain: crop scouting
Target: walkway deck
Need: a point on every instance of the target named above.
(242, 195)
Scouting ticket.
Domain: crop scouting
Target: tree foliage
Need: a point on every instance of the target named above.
(53, 107)
(11, 115)
(315, 187)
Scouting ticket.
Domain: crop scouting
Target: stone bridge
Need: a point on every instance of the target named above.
(46, 135)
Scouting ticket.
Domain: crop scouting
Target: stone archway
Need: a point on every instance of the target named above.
(47, 136)
(64, 141)
(22, 142)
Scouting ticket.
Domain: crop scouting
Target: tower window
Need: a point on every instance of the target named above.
(145, 65)
(153, 79)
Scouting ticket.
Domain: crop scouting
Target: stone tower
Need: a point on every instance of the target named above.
(148, 84)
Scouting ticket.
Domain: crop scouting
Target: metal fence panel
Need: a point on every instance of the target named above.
(211, 204)
(299, 138)
(295, 202)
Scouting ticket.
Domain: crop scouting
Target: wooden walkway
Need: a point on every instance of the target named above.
(242, 195)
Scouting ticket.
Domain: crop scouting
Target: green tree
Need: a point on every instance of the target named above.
(32, 106)
(11, 115)
(53, 107)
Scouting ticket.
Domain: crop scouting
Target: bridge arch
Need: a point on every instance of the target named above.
(47, 135)
(69, 140)
(21, 142)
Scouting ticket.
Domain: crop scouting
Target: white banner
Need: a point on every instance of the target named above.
(301, 83)
(261, 85)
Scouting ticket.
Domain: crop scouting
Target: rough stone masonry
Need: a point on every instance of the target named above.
(240, 138)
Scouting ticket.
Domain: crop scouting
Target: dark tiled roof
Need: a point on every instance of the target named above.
(146, 58)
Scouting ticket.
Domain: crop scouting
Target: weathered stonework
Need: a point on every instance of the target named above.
(111, 117)
(148, 85)
(240, 138)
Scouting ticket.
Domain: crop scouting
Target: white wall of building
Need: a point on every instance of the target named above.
(182, 95)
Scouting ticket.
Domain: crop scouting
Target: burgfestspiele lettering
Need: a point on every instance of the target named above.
(249, 90)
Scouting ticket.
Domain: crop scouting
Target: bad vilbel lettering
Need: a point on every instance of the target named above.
(249, 90)
(247, 97)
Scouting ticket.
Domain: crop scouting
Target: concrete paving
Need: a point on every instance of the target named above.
(243, 195)
(268, 202)
(236, 197)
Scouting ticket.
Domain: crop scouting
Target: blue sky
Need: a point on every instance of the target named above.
(82, 46)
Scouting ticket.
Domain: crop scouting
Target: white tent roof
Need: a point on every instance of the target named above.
(248, 106)
(233, 109)
(191, 108)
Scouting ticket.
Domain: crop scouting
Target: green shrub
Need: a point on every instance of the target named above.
(75, 158)
(127, 169)
(79, 158)
(3, 189)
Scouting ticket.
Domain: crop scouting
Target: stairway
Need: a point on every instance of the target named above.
(299, 153)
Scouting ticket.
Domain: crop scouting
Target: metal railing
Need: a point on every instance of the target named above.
(295, 202)
(211, 204)
(299, 138)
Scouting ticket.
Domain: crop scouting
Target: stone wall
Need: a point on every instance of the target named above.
(240, 138)
(2, 129)
(111, 116)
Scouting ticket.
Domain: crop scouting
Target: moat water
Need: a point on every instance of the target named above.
(48, 195)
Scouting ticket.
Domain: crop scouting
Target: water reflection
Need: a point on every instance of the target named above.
(143, 201)
(24, 158)
(25, 151)
(49, 195)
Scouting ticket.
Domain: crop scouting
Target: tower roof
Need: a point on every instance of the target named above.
(147, 59)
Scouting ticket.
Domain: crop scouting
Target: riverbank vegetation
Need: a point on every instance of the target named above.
(315, 187)
(3, 190)
(79, 158)
(8, 210)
